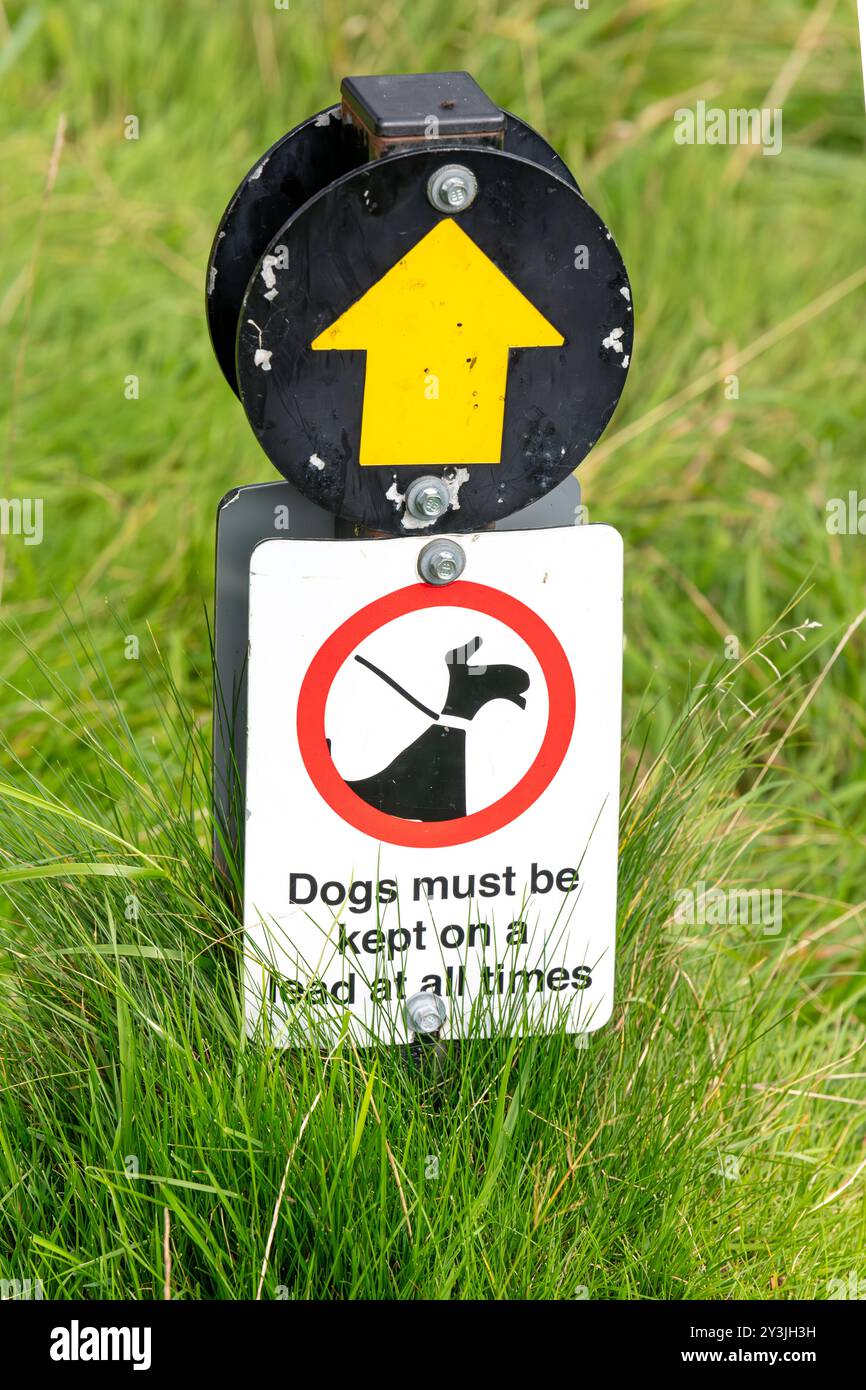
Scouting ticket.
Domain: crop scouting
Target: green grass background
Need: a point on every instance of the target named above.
(144, 1149)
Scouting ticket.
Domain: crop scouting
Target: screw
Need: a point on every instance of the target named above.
(427, 498)
(453, 188)
(425, 1013)
(441, 562)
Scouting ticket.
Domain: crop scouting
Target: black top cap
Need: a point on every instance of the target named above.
(400, 107)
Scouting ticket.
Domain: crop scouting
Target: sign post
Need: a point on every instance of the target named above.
(417, 715)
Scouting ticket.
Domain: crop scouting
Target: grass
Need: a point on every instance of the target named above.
(709, 1143)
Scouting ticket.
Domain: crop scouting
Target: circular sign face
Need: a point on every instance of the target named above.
(419, 798)
(301, 163)
(381, 341)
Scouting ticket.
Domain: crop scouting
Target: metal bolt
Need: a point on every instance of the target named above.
(453, 188)
(441, 562)
(427, 498)
(425, 1013)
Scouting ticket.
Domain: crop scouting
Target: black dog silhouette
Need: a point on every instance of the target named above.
(427, 781)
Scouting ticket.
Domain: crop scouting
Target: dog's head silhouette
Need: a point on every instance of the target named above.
(470, 688)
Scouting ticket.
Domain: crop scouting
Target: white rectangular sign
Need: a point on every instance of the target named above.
(433, 784)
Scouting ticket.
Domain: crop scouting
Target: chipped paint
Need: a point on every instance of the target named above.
(257, 172)
(625, 292)
(614, 339)
(267, 271)
(211, 279)
(316, 462)
(454, 484)
(395, 495)
(261, 357)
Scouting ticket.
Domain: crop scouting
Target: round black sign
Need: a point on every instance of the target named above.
(302, 162)
(382, 341)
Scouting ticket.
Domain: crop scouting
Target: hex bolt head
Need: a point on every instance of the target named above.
(425, 1013)
(441, 562)
(453, 188)
(427, 498)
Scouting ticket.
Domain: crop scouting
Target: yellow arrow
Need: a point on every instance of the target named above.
(436, 330)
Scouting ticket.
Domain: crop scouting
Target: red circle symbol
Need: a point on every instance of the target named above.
(338, 648)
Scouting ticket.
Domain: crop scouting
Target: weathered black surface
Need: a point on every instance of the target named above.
(529, 222)
(291, 171)
(299, 165)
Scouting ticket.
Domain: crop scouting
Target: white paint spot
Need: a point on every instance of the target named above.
(461, 476)
(257, 172)
(271, 294)
(316, 462)
(211, 279)
(267, 274)
(614, 339)
(324, 117)
(625, 361)
(625, 292)
(262, 357)
(415, 523)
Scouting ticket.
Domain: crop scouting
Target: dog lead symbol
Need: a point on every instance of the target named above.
(427, 781)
